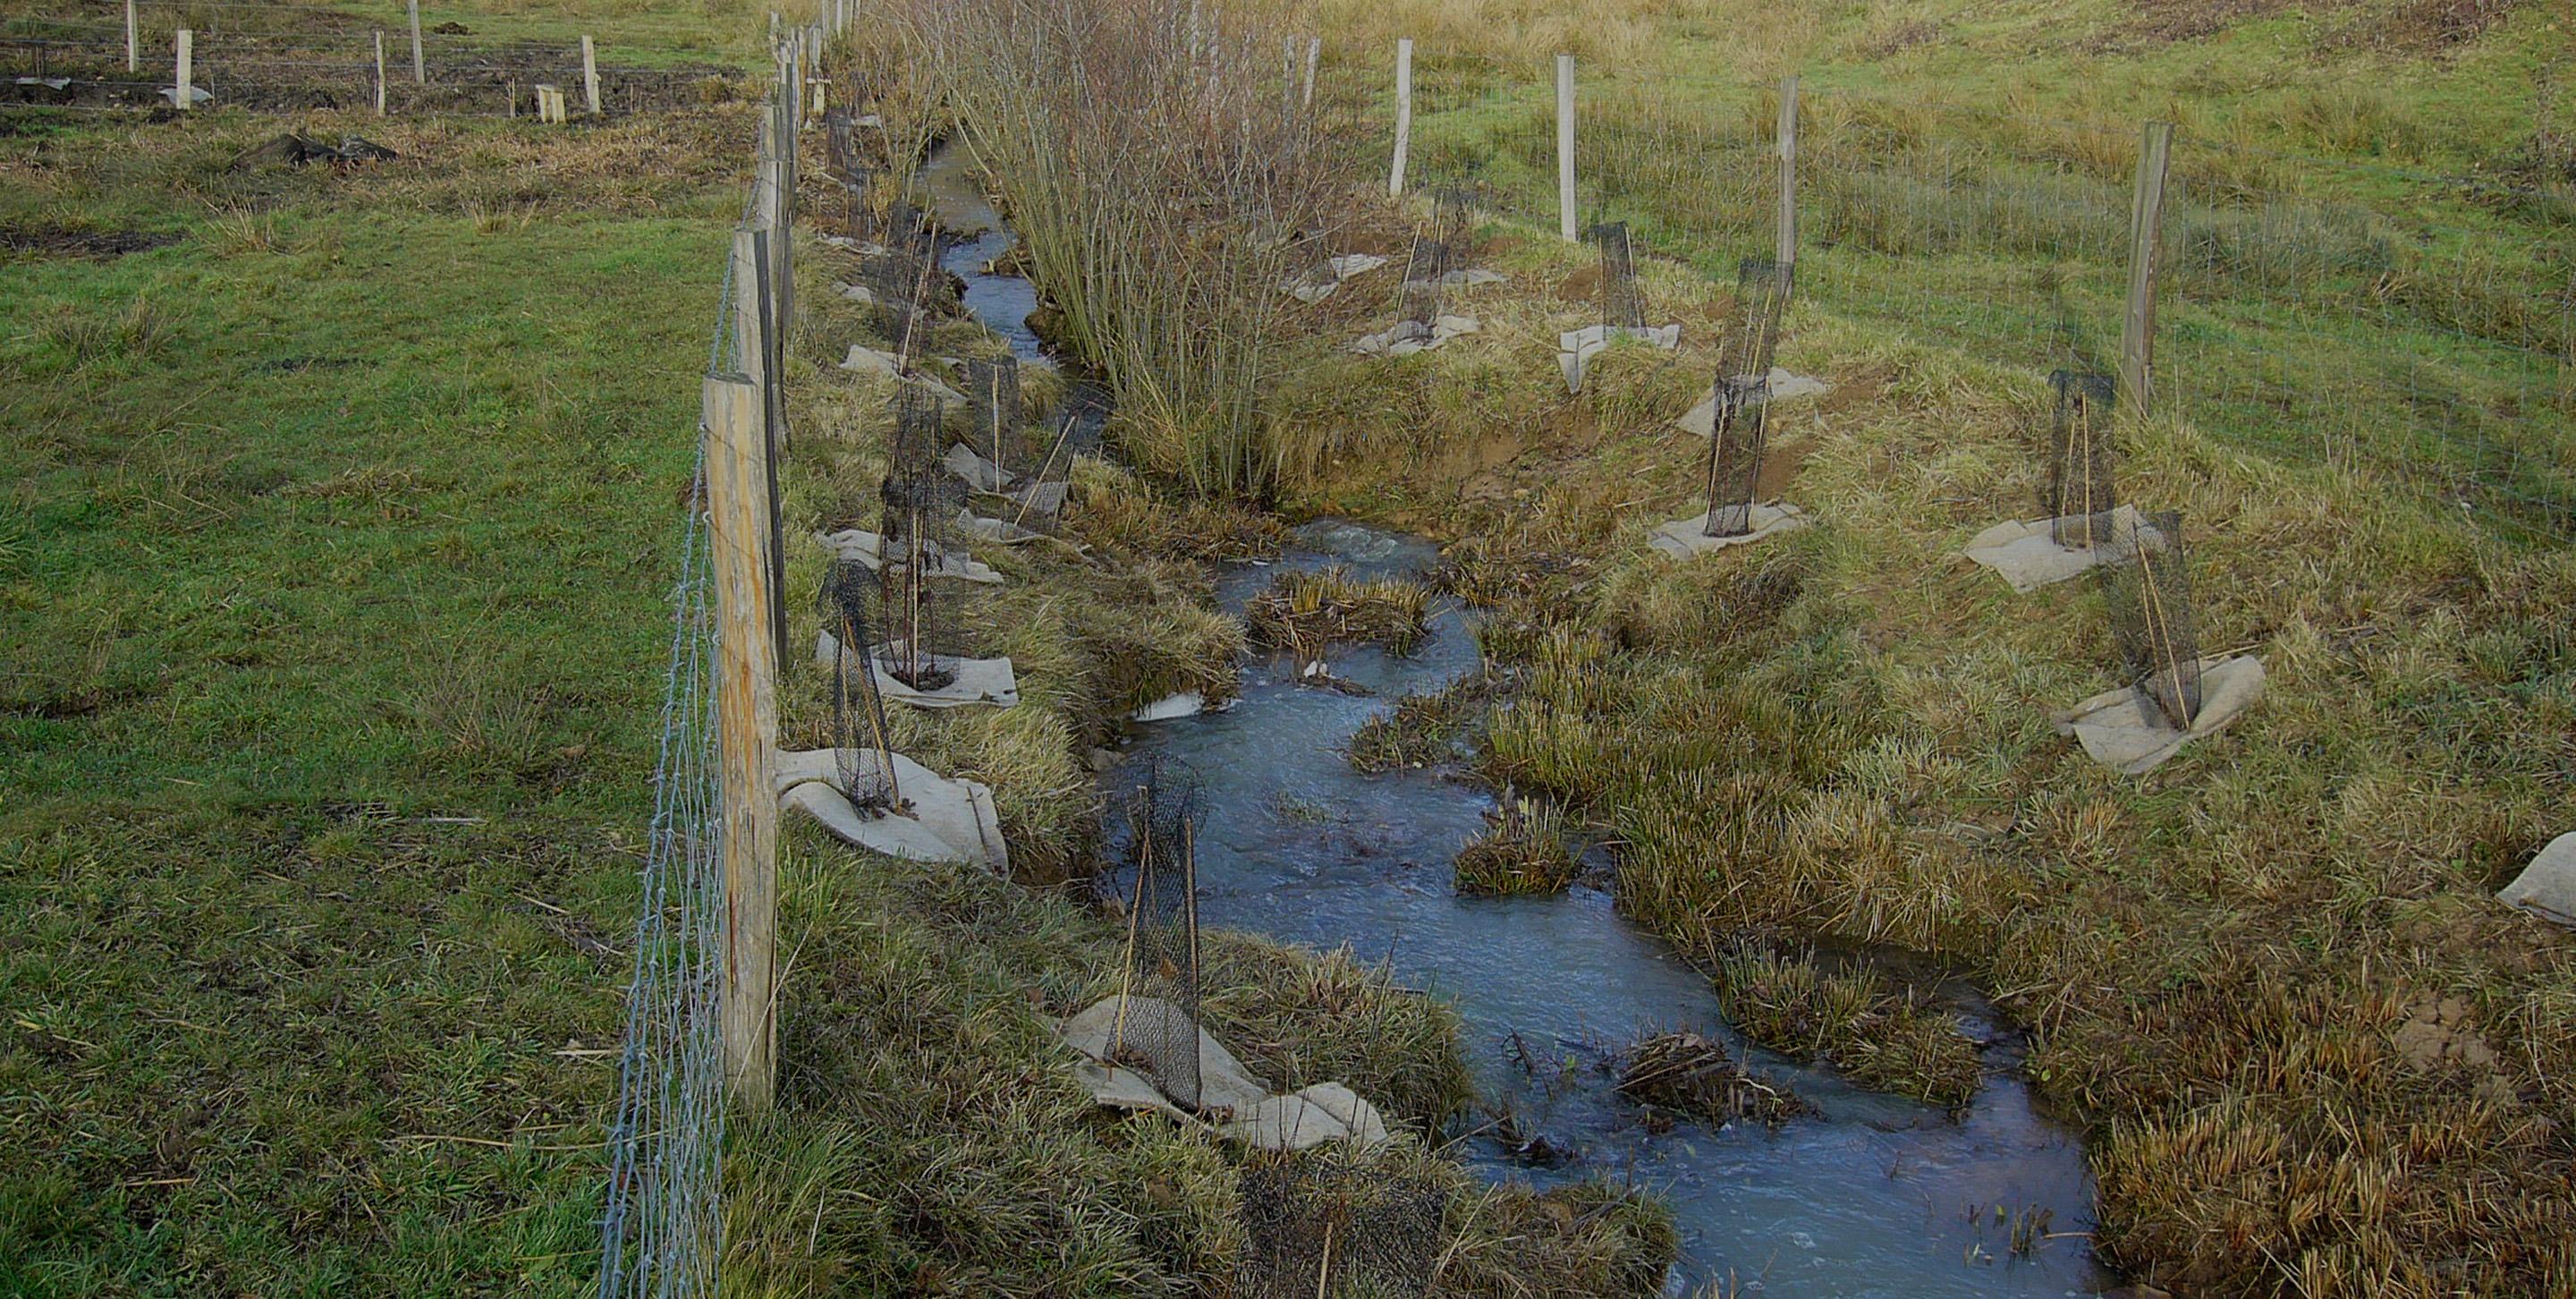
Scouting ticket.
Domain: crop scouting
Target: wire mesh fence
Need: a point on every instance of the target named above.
(284, 58)
(682, 1060)
(661, 1228)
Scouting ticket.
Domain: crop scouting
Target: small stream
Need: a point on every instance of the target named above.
(1876, 1196)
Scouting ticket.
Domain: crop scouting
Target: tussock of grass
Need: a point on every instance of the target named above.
(1153, 631)
(1306, 610)
(1116, 514)
(1523, 850)
(1876, 1036)
(1421, 730)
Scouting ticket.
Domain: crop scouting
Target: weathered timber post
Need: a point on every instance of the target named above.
(2146, 220)
(746, 713)
(1565, 201)
(1786, 252)
(1403, 114)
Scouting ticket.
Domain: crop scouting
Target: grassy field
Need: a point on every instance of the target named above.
(332, 555)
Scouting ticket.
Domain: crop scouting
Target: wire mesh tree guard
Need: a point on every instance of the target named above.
(1739, 423)
(995, 411)
(917, 544)
(1037, 501)
(863, 757)
(1157, 1029)
(1622, 307)
(2081, 453)
(1338, 1221)
(904, 280)
(2147, 589)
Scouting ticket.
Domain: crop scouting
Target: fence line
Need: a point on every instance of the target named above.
(701, 1034)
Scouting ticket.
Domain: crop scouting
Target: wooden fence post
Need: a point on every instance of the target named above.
(133, 39)
(1786, 253)
(1314, 51)
(590, 74)
(2146, 219)
(380, 74)
(187, 69)
(419, 68)
(1403, 114)
(746, 710)
(1565, 202)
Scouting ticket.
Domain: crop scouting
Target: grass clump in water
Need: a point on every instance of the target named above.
(1523, 850)
(1878, 1037)
(1422, 730)
(1306, 610)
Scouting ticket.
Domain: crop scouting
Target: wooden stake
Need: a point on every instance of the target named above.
(1314, 51)
(133, 39)
(2146, 219)
(187, 69)
(380, 76)
(419, 68)
(746, 714)
(590, 74)
(759, 355)
(1787, 252)
(1565, 202)
(1403, 114)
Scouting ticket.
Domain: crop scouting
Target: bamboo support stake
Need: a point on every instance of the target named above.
(419, 67)
(746, 712)
(186, 69)
(380, 75)
(2146, 220)
(590, 74)
(1403, 114)
(1565, 147)
(1787, 251)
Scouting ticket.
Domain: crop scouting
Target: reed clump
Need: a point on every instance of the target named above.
(1119, 515)
(1421, 730)
(1307, 610)
(1876, 1035)
(1524, 850)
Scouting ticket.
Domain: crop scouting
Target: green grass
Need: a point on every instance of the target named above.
(332, 603)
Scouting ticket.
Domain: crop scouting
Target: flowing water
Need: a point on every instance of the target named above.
(1874, 1196)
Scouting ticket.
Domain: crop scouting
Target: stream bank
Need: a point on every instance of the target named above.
(1874, 1195)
